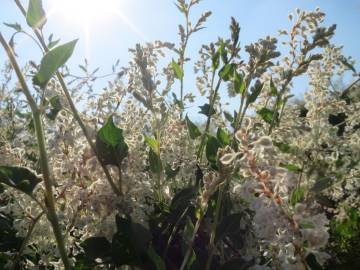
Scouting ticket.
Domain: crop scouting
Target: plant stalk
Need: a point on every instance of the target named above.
(50, 202)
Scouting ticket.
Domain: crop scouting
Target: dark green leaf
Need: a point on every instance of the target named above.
(52, 61)
(194, 131)
(205, 110)
(55, 107)
(228, 226)
(216, 61)
(155, 162)
(177, 101)
(255, 92)
(239, 84)
(110, 144)
(283, 147)
(15, 26)
(237, 264)
(35, 15)
(170, 173)
(223, 137)
(228, 117)
(345, 62)
(223, 52)
(273, 89)
(179, 74)
(96, 247)
(321, 184)
(156, 259)
(19, 177)
(312, 262)
(266, 114)
(182, 198)
(212, 146)
(297, 195)
(290, 167)
(227, 71)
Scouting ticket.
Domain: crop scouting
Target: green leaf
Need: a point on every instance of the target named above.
(194, 131)
(153, 144)
(35, 15)
(236, 264)
(155, 162)
(228, 117)
(345, 62)
(227, 71)
(52, 61)
(239, 84)
(177, 101)
(19, 177)
(212, 146)
(110, 144)
(321, 184)
(255, 92)
(205, 110)
(273, 89)
(56, 107)
(215, 61)
(156, 259)
(179, 74)
(15, 26)
(223, 137)
(283, 147)
(170, 173)
(297, 195)
(130, 243)
(290, 167)
(223, 52)
(229, 225)
(266, 114)
(96, 247)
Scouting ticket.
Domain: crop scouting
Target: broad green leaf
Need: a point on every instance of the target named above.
(212, 146)
(223, 137)
(96, 247)
(239, 84)
(155, 162)
(56, 107)
(156, 259)
(215, 61)
(15, 26)
(228, 117)
(153, 144)
(52, 61)
(283, 147)
(266, 114)
(223, 52)
(205, 110)
(194, 131)
(256, 89)
(227, 71)
(19, 177)
(290, 167)
(321, 184)
(297, 195)
(179, 74)
(171, 173)
(110, 144)
(35, 15)
(273, 89)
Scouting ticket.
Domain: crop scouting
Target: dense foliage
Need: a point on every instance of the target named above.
(133, 182)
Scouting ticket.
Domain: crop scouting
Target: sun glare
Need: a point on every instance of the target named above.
(86, 12)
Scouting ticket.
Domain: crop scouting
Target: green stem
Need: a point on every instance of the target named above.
(50, 203)
(73, 108)
(213, 228)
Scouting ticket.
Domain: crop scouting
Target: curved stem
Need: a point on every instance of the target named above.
(50, 203)
(73, 108)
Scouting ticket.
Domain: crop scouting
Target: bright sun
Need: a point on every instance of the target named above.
(86, 12)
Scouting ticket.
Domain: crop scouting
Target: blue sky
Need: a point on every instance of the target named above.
(158, 19)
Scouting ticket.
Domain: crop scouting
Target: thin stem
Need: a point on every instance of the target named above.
(73, 108)
(189, 250)
(26, 240)
(50, 203)
(213, 228)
